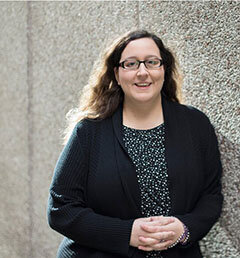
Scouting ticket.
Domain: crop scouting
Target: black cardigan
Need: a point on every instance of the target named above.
(95, 197)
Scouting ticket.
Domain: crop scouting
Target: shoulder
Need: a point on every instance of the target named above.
(192, 114)
(199, 124)
(89, 127)
(201, 128)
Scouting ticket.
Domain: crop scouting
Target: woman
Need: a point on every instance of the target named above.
(140, 173)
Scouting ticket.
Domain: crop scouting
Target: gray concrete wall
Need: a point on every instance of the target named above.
(43, 48)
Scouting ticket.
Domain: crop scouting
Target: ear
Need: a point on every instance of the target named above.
(116, 74)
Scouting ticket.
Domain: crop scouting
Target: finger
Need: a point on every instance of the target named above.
(153, 218)
(160, 236)
(169, 227)
(145, 248)
(149, 226)
(148, 241)
(162, 245)
(157, 247)
(152, 227)
(148, 219)
(168, 235)
(163, 220)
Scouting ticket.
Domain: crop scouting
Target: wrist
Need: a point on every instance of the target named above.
(183, 238)
(132, 241)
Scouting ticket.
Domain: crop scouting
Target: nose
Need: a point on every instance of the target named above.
(142, 70)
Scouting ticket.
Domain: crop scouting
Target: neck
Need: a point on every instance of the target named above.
(143, 115)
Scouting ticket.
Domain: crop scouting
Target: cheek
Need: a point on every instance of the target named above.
(124, 78)
(159, 77)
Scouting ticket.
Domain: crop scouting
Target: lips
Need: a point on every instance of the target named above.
(143, 84)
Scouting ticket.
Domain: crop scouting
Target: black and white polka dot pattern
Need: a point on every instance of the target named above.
(147, 151)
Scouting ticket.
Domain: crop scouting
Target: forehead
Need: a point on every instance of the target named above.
(140, 49)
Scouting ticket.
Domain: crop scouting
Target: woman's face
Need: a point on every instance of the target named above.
(141, 85)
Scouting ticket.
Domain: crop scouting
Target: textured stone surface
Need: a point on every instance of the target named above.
(66, 39)
(206, 39)
(47, 50)
(14, 179)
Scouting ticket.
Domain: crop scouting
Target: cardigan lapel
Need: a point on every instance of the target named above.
(178, 147)
(127, 169)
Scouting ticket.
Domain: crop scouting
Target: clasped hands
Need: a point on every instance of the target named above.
(155, 233)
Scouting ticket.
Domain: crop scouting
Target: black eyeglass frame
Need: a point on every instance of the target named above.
(139, 62)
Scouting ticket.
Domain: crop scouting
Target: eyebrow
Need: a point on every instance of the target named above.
(134, 57)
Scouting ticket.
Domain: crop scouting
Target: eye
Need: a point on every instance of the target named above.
(130, 63)
(153, 62)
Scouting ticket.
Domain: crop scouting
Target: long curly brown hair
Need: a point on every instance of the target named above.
(102, 95)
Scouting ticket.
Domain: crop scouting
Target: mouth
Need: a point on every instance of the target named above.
(143, 85)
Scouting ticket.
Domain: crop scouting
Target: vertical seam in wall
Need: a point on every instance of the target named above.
(30, 123)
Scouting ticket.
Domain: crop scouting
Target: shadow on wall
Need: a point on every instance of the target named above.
(222, 237)
(230, 156)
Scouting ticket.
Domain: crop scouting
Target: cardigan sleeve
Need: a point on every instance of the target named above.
(208, 208)
(67, 211)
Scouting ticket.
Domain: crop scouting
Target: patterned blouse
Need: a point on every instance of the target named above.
(147, 150)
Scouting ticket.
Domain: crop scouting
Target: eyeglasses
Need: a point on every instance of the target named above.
(133, 64)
